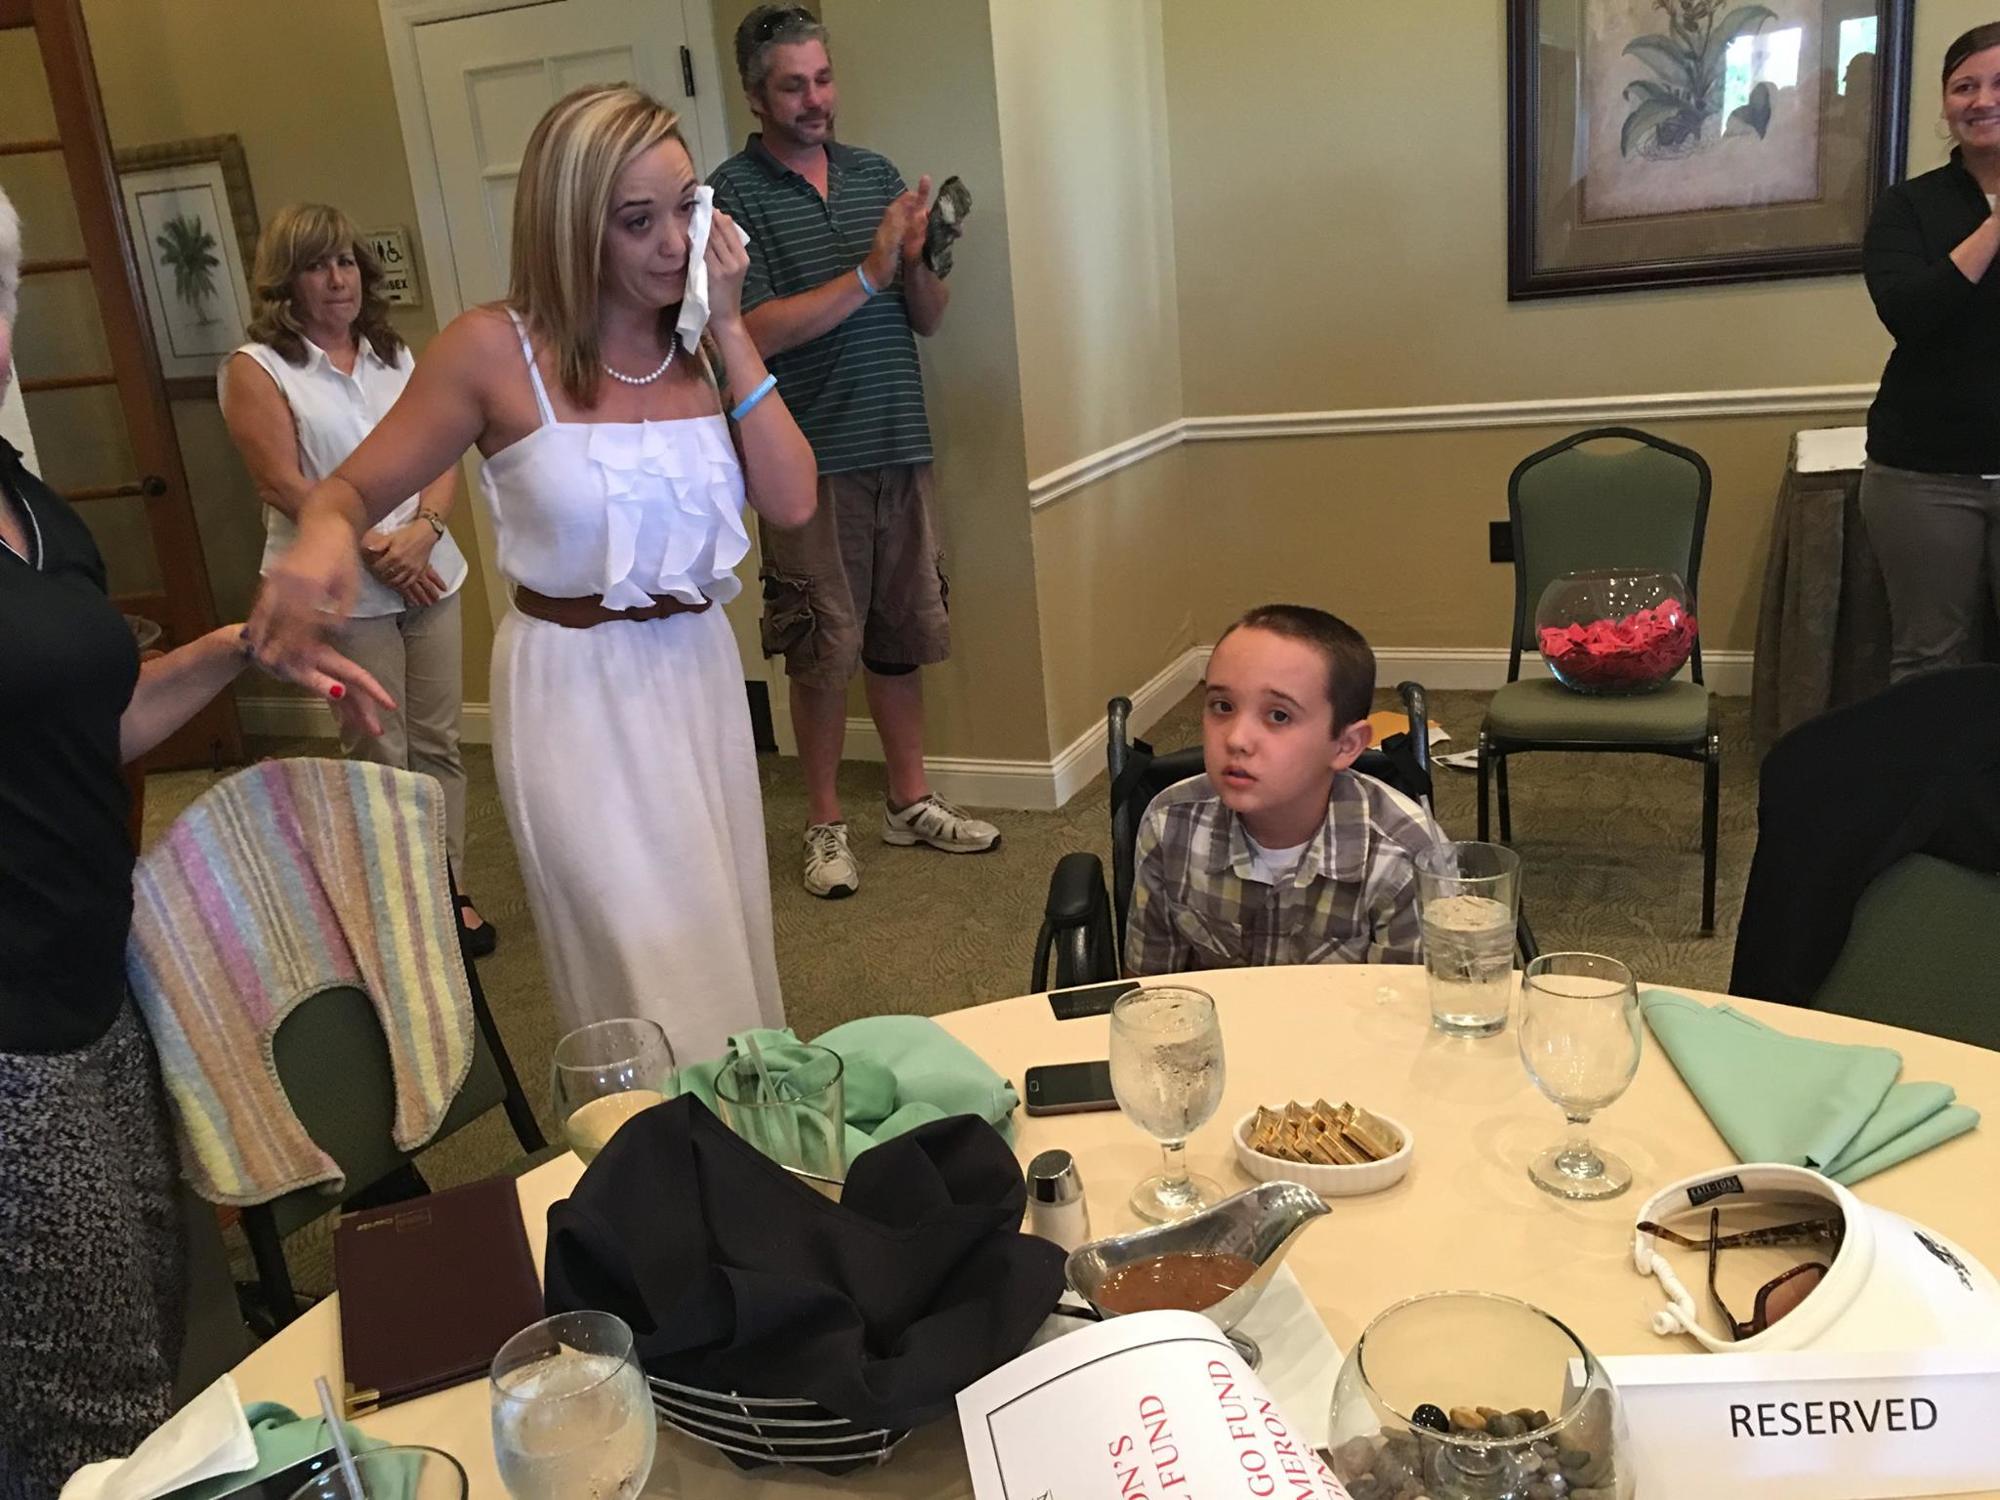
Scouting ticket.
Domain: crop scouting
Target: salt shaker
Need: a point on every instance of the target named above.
(1056, 1209)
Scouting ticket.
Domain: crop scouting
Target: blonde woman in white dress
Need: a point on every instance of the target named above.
(621, 730)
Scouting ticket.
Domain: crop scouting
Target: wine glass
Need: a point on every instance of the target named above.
(605, 1073)
(571, 1412)
(1167, 1072)
(1580, 1043)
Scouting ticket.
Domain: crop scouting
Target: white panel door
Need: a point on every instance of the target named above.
(487, 79)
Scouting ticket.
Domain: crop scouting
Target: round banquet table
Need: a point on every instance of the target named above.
(1465, 1216)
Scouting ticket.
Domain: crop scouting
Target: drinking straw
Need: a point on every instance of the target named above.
(339, 1435)
(767, 1084)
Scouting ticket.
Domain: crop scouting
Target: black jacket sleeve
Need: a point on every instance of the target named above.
(1917, 295)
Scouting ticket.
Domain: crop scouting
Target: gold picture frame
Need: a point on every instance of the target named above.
(191, 219)
(1657, 143)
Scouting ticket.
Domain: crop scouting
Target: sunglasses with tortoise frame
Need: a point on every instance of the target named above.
(1781, 1294)
(778, 20)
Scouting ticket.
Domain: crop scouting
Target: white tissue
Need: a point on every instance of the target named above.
(694, 301)
(209, 1437)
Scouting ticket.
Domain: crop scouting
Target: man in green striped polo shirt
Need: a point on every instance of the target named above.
(836, 290)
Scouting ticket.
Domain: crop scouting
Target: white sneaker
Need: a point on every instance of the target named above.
(830, 868)
(934, 821)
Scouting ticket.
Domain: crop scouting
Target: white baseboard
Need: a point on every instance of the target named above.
(1041, 785)
(291, 716)
(1046, 785)
(1083, 758)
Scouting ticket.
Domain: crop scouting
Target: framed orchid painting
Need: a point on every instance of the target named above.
(1682, 142)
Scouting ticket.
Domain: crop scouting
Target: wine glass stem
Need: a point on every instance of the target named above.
(1174, 1170)
(1579, 1158)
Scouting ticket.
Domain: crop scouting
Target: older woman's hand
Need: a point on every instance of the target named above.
(402, 557)
(305, 596)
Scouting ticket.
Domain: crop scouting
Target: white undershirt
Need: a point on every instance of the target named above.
(1274, 866)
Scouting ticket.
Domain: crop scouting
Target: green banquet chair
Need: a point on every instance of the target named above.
(1922, 952)
(1604, 498)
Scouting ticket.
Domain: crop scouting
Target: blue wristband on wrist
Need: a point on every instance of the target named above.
(861, 274)
(743, 407)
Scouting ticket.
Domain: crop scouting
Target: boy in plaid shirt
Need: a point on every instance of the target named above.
(1280, 854)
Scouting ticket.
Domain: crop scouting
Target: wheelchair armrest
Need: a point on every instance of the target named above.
(1076, 890)
(1416, 704)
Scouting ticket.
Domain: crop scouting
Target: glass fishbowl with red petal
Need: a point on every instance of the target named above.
(1615, 631)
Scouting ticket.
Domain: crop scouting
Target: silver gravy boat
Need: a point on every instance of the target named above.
(1260, 1225)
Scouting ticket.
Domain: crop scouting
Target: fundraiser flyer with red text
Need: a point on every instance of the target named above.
(1155, 1406)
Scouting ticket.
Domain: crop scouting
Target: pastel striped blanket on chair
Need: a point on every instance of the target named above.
(289, 878)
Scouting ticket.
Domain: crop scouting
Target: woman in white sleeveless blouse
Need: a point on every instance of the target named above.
(621, 732)
(322, 367)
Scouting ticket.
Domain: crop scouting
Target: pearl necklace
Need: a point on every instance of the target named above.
(673, 348)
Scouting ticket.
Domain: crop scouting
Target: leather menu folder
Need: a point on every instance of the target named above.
(429, 1291)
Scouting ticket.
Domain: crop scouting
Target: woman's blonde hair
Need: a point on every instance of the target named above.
(562, 200)
(299, 235)
(10, 256)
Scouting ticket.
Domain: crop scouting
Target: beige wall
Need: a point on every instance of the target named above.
(1390, 529)
(917, 84)
(1090, 198)
(1177, 214)
(1126, 585)
(324, 128)
(1340, 242)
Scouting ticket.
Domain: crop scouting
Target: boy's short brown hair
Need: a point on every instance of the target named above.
(1350, 662)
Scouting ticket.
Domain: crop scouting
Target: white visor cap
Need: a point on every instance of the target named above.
(1891, 1285)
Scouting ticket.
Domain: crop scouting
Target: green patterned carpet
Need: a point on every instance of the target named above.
(1611, 844)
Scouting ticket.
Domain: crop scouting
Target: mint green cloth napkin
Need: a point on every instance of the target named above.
(1831, 1106)
(898, 1072)
(283, 1439)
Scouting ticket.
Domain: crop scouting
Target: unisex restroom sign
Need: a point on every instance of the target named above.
(399, 266)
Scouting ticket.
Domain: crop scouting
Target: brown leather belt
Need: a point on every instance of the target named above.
(581, 614)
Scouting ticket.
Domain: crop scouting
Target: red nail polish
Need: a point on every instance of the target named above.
(337, 691)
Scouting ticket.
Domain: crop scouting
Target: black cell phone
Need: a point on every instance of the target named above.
(1070, 1088)
(286, 1482)
(1089, 999)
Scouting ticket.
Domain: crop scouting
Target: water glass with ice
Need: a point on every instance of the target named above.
(1167, 1073)
(1468, 900)
(572, 1418)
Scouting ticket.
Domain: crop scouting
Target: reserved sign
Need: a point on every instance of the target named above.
(1812, 1426)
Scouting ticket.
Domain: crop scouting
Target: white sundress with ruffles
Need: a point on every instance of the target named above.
(624, 753)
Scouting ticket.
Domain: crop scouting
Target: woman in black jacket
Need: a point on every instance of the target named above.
(91, 1261)
(1931, 491)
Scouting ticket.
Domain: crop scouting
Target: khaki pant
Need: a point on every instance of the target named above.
(1937, 537)
(418, 658)
(861, 582)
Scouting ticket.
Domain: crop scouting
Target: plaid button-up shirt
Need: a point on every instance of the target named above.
(1197, 902)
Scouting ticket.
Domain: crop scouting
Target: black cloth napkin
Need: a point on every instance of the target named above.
(736, 1276)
